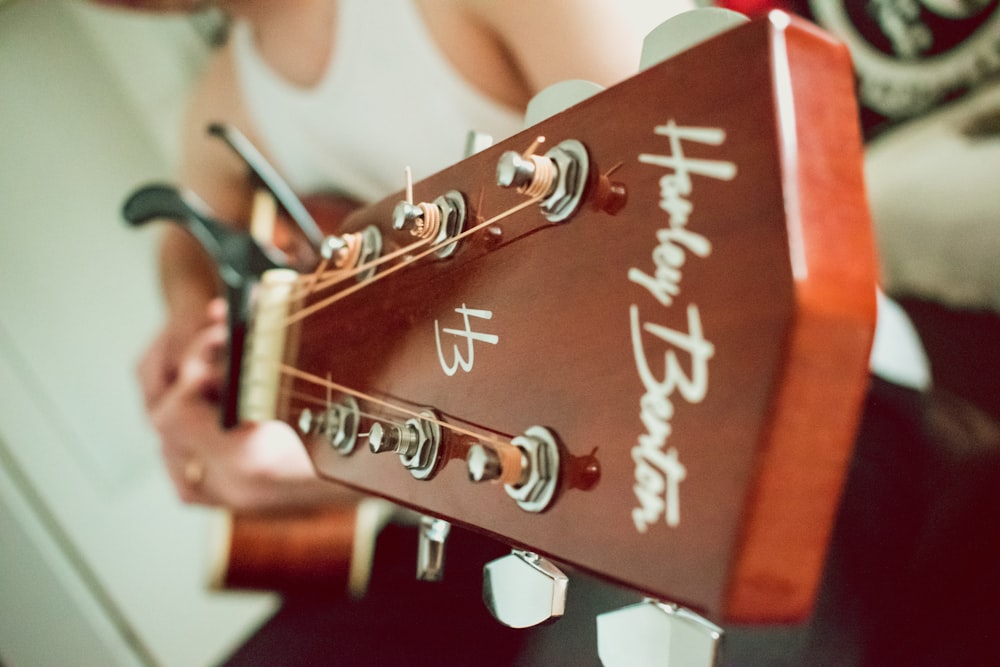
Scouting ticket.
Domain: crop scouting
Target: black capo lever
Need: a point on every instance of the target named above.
(238, 257)
(268, 177)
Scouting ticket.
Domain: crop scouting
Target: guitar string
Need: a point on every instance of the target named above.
(303, 397)
(305, 312)
(340, 274)
(320, 305)
(335, 276)
(330, 384)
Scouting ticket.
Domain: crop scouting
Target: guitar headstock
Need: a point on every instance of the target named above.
(648, 344)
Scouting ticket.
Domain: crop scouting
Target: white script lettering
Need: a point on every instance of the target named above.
(466, 362)
(675, 241)
(658, 474)
(658, 469)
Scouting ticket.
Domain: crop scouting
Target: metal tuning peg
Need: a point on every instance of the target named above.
(652, 633)
(416, 441)
(528, 467)
(685, 30)
(557, 98)
(523, 589)
(476, 141)
(353, 250)
(558, 178)
(337, 424)
(437, 221)
(430, 548)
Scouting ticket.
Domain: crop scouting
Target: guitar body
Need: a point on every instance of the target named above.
(302, 551)
(696, 343)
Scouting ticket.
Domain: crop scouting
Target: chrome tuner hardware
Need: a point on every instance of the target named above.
(655, 633)
(417, 441)
(440, 220)
(685, 30)
(528, 467)
(559, 177)
(523, 589)
(338, 424)
(430, 548)
(354, 250)
(557, 98)
(476, 141)
(436, 221)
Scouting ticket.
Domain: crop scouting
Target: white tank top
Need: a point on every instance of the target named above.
(388, 100)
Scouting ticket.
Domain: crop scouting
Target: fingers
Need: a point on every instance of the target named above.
(217, 310)
(154, 372)
(251, 467)
(157, 370)
(186, 416)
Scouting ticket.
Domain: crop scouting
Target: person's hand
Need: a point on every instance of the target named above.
(252, 467)
(157, 369)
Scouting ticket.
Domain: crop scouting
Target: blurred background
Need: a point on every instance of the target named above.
(99, 562)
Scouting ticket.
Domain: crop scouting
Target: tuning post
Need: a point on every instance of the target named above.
(337, 424)
(504, 463)
(436, 221)
(417, 441)
(349, 251)
(558, 178)
(530, 174)
(528, 467)
(402, 440)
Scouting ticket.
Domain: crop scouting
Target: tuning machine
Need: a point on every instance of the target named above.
(430, 548)
(417, 441)
(528, 467)
(436, 221)
(656, 633)
(558, 178)
(337, 424)
(523, 589)
(349, 251)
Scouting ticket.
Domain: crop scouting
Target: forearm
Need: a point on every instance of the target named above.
(188, 277)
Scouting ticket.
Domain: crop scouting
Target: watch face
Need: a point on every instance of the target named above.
(913, 54)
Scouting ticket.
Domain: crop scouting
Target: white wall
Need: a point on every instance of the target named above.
(98, 561)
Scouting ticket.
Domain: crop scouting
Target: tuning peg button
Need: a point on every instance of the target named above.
(655, 633)
(523, 589)
(430, 548)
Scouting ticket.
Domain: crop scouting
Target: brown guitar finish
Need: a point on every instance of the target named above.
(785, 297)
(308, 551)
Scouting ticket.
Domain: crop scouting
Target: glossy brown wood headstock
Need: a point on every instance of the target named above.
(698, 347)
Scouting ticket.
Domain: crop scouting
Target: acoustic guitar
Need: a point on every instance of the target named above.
(633, 338)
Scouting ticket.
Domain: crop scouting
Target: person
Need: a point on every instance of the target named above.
(325, 89)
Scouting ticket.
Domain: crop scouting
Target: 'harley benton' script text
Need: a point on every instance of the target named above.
(658, 471)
